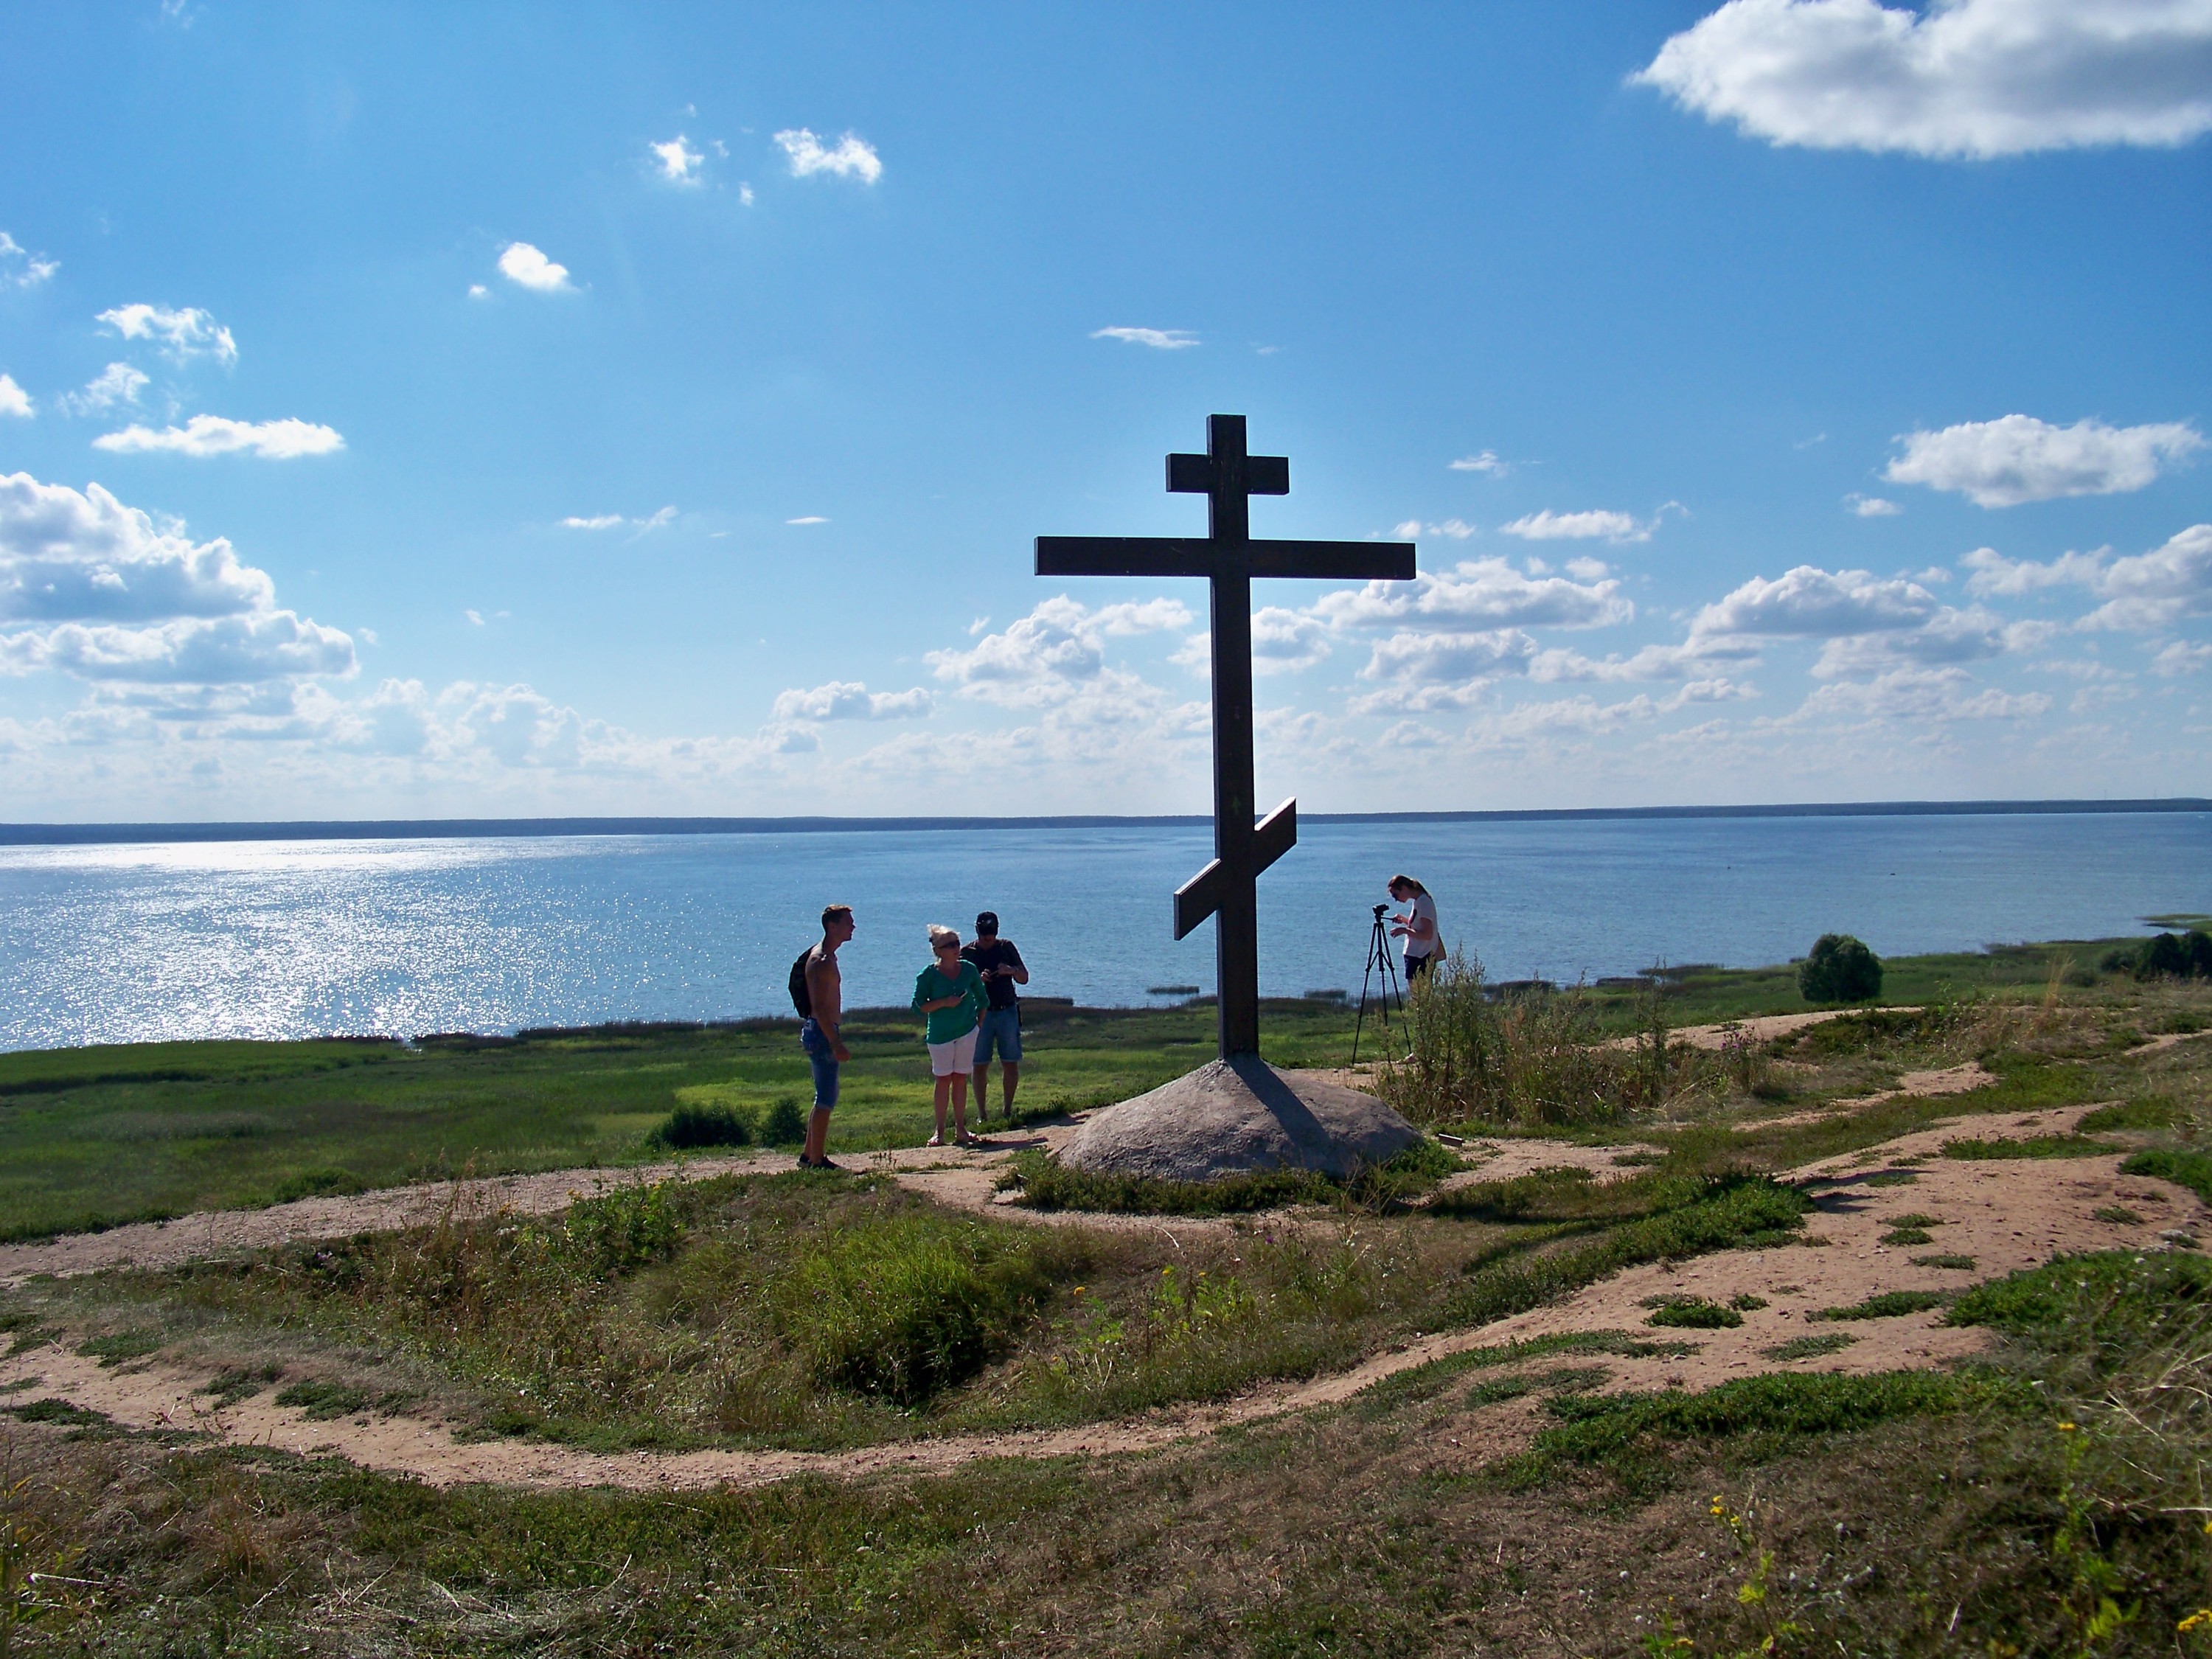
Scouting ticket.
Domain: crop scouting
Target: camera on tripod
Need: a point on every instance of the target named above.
(1383, 966)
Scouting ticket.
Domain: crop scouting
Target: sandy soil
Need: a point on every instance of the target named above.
(2006, 1214)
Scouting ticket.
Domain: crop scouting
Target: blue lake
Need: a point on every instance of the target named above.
(131, 943)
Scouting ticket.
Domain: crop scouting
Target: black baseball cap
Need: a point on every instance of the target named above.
(986, 921)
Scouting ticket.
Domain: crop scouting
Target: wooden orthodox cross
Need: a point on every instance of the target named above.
(1228, 889)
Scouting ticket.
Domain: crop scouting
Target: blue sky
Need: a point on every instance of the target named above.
(417, 410)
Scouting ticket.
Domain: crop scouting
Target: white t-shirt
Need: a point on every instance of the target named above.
(1422, 908)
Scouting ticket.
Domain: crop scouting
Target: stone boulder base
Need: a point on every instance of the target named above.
(1237, 1116)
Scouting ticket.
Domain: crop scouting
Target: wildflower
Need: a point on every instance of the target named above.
(2197, 1620)
(2065, 1428)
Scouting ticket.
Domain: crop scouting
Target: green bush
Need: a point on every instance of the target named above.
(1840, 969)
(2179, 1165)
(716, 1124)
(904, 1306)
(785, 1124)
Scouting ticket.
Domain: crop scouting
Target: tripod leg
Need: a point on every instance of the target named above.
(1366, 973)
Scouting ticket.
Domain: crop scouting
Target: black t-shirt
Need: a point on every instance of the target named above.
(994, 953)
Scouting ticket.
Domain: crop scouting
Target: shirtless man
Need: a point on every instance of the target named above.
(825, 1049)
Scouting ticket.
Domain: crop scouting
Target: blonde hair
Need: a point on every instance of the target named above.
(938, 932)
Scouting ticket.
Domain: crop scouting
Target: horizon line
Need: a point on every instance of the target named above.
(29, 835)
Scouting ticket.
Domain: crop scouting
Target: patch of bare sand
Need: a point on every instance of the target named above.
(2005, 1214)
(2160, 1044)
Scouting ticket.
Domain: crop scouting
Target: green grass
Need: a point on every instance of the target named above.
(1963, 1264)
(1694, 1313)
(1888, 1305)
(2031, 1146)
(2179, 1165)
(1810, 1347)
(1045, 1183)
(1731, 1212)
(91, 1137)
(1629, 1435)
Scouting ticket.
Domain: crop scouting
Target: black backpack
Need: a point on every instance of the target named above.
(800, 998)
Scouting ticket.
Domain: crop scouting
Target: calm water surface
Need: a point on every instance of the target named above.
(121, 943)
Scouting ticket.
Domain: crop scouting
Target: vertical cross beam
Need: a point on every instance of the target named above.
(1224, 475)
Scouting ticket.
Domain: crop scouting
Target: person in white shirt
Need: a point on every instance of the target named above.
(1417, 926)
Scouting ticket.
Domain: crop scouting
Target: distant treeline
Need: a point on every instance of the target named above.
(26, 834)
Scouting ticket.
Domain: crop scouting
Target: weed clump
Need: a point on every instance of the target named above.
(1533, 1060)
(1694, 1313)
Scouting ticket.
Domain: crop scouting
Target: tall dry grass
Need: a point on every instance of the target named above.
(1529, 1061)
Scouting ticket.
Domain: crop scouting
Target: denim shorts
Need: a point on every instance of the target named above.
(824, 1061)
(1002, 1027)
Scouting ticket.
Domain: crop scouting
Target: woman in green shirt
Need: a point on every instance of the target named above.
(950, 992)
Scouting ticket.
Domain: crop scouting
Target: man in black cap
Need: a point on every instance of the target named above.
(1001, 967)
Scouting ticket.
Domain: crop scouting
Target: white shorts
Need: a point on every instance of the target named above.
(954, 1058)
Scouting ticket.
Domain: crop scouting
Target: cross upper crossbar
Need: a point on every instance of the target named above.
(1227, 888)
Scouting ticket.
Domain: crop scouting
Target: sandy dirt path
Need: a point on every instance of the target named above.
(2005, 1214)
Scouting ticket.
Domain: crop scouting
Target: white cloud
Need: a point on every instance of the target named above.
(1054, 652)
(1457, 529)
(1922, 694)
(183, 334)
(1283, 643)
(118, 383)
(852, 158)
(1583, 567)
(745, 195)
(1654, 662)
(679, 163)
(527, 267)
(19, 268)
(808, 518)
(659, 520)
(2003, 463)
(1487, 461)
(2142, 593)
(109, 596)
(599, 521)
(14, 400)
(1423, 672)
(1962, 78)
(213, 434)
(1947, 635)
(1488, 591)
(475, 618)
(1808, 602)
(1547, 526)
(478, 291)
(851, 699)
(1160, 340)
(1871, 506)
(2181, 658)
(2157, 588)
(1995, 574)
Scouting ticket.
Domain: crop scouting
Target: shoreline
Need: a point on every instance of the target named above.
(71, 834)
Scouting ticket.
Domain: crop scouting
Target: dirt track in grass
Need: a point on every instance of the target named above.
(2005, 1214)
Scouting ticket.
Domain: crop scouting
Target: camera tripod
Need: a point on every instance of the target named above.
(1378, 957)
